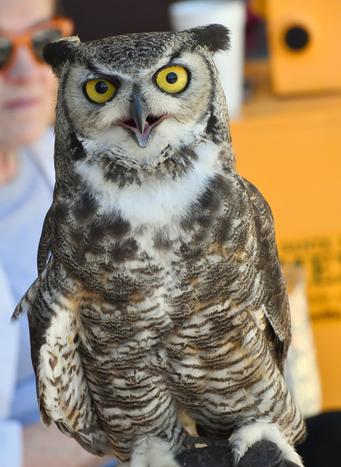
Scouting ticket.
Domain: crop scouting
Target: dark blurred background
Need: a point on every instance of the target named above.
(107, 18)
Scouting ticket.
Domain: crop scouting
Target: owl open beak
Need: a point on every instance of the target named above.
(141, 124)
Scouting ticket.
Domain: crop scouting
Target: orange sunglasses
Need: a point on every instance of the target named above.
(35, 38)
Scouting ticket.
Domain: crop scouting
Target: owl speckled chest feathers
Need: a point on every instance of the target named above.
(159, 287)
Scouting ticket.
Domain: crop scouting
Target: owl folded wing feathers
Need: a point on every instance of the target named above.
(275, 299)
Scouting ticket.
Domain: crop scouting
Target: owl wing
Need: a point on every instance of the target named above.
(274, 299)
(44, 242)
(62, 389)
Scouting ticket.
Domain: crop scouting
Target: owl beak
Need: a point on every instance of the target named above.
(138, 113)
(141, 123)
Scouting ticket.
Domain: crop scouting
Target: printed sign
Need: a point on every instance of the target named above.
(321, 259)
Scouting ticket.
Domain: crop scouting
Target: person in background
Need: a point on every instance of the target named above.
(27, 97)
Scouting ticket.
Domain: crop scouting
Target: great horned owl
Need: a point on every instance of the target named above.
(159, 287)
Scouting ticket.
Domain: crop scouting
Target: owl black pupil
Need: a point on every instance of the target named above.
(101, 87)
(172, 78)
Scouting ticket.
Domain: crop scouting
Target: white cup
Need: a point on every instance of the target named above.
(187, 14)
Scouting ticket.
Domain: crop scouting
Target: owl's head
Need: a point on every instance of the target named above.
(140, 93)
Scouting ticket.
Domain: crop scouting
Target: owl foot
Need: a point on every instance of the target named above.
(246, 436)
(152, 452)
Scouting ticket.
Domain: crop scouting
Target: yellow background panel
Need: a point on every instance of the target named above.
(291, 150)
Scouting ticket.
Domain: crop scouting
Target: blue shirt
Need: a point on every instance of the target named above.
(23, 205)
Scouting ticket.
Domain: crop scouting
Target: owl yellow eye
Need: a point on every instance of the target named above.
(99, 90)
(172, 79)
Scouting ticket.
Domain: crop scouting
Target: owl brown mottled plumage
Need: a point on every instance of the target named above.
(159, 287)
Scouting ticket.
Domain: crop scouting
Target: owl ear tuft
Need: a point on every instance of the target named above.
(214, 37)
(58, 52)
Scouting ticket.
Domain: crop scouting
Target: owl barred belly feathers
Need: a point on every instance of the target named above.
(159, 287)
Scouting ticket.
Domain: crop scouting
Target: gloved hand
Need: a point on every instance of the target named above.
(262, 454)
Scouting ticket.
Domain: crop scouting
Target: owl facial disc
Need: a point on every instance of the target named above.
(141, 123)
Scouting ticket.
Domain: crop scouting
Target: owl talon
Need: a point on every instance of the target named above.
(195, 441)
(153, 452)
(235, 457)
(245, 437)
